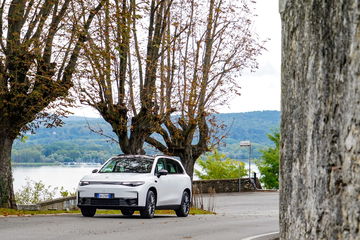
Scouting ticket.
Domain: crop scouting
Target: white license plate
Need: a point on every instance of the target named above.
(103, 195)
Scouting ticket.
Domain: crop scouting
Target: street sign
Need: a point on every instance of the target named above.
(245, 143)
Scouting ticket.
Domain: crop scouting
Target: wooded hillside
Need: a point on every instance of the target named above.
(75, 142)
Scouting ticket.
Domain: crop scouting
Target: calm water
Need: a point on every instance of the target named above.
(61, 176)
(56, 176)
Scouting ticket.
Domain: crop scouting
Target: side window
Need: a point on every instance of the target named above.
(179, 169)
(160, 165)
(173, 167)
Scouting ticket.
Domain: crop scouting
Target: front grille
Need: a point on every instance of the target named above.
(106, 202)
(109, 202)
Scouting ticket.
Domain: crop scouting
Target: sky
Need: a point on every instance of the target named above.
(259, 90)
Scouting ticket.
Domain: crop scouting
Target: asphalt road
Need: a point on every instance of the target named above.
(239, 216)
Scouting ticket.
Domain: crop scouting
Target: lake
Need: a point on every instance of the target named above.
(56, 176)
(61, 176)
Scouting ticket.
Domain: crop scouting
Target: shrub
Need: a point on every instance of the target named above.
(218, 166)
(34, 192)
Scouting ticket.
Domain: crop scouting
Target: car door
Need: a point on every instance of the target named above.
(175, 181)
(163, 184)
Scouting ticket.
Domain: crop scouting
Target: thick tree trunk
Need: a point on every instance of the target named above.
(188, 160)
(7, 199)
(320, 129)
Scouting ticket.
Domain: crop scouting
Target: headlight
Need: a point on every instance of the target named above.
(84, 183)
(132, 184)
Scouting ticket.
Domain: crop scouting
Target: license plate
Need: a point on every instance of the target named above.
(103, 195)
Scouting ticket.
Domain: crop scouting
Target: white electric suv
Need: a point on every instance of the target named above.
(136, 182)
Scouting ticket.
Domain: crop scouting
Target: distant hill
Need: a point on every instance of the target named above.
(74, 142)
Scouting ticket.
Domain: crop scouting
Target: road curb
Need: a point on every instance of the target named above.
(266, 236)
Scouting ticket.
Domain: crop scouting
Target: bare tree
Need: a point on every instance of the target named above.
(199, 72)
(39, 48)
(163, 67)
(120, 65)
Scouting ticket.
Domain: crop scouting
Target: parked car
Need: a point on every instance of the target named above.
(136, 182)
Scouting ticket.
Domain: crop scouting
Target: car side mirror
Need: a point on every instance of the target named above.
(95, 171)
(162, 172)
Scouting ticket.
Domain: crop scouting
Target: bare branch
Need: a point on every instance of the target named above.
(42, 17)
(101, 133)
(69, 70)
(158, 145)
(136, 43)
(1, 26)
(53, 29)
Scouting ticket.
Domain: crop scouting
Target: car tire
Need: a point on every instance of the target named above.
(149, 210)
(88, 211)
(127, 212)
(184, 208)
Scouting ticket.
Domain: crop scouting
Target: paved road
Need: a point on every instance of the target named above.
(239, 215)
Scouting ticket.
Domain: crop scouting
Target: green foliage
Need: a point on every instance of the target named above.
(23, 139)
(218, 166)
(66, 193)
(34, 192)
(268, 164)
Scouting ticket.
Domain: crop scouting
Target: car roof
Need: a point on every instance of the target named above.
(132, 156)
(143, 156)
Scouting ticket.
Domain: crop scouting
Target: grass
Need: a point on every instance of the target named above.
(13, 212)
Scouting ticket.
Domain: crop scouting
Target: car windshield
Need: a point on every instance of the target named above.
(128, 165)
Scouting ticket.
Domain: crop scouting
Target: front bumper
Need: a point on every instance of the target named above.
(121, 196)
(110, 203)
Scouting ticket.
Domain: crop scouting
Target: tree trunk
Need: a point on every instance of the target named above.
(320, 129)
(188, 161)
(7, 198)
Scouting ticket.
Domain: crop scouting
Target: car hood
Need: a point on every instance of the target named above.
(111, 177)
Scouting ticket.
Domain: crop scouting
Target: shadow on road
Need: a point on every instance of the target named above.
(107, 216)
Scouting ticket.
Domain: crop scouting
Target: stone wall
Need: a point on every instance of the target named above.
(67, 203)
(226, 185)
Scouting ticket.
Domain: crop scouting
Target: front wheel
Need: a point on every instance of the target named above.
(88, 211)
(184, 209)
(150, 205)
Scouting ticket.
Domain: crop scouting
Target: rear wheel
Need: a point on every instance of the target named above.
(127, 212)
(88, 211)
(183, 210)
(150, 205)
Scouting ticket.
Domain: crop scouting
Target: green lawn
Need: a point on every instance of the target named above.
(12, 212)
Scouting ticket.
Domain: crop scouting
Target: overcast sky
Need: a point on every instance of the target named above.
(260, 90)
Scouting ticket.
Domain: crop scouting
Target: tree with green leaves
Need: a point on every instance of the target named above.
(40, 42)
(218, 166)
(268, 164)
